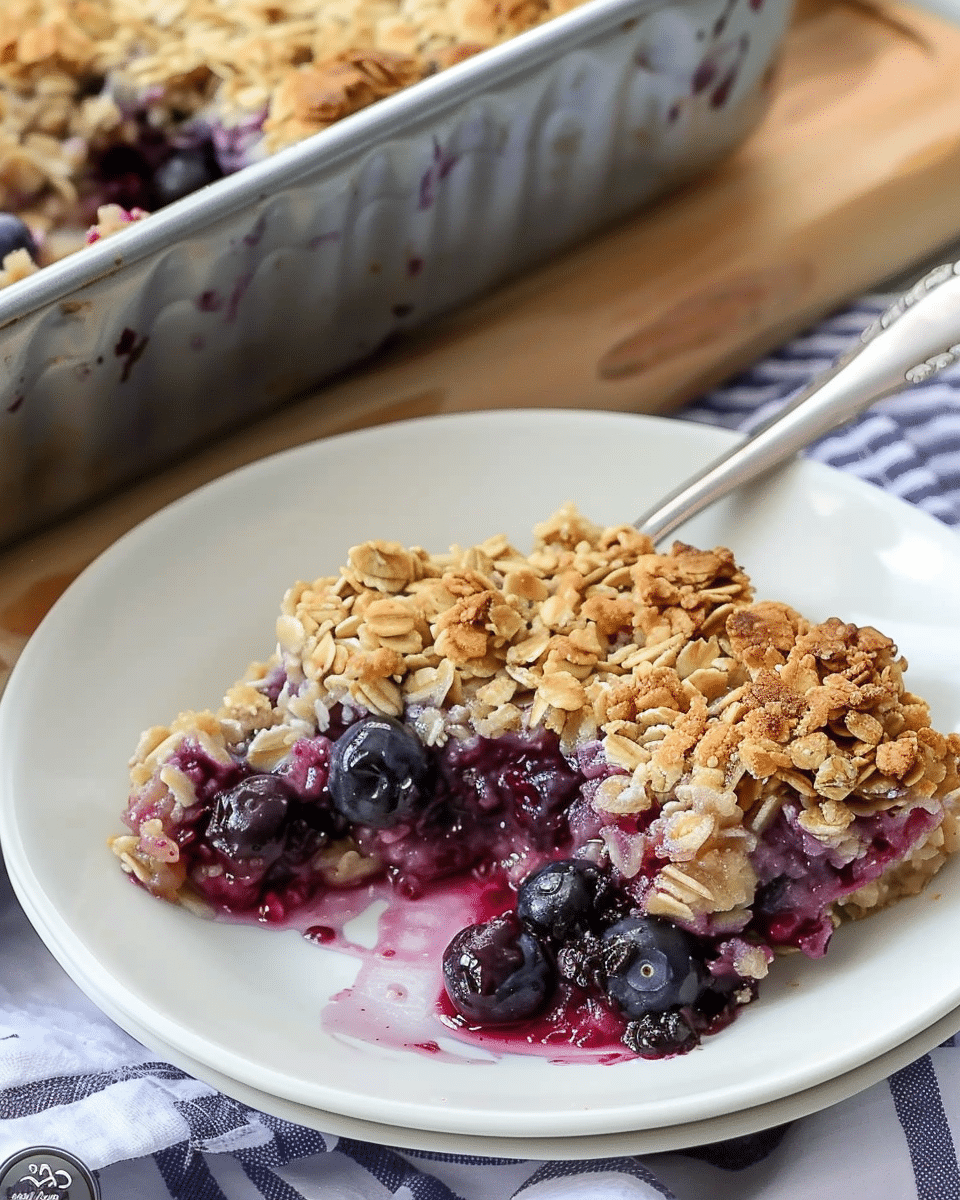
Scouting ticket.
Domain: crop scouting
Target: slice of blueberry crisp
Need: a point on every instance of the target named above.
(670, 781)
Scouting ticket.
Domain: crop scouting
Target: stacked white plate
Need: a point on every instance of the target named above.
(170, 616)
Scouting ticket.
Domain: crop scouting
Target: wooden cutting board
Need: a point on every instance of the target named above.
(853, 176)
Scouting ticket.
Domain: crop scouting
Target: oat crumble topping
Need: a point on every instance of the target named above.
(15, 266)
(713, 709)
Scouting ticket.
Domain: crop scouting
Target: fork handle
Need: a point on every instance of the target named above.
(913, 340)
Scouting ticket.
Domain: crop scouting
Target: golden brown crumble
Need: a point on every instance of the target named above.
(717, 709)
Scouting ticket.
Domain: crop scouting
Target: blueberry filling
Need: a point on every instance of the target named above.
(152, 171)
(123, 175)
(307, 768)
(423, 813)
(522, 785)
(568, 928)
(510, 809)
(799, 879)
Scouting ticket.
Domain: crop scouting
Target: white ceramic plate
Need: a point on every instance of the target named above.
(170, 616)
(656, 1140)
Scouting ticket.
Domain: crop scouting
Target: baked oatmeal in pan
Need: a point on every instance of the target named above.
(112, 109)
(665, 781)
(128, 106)
(124, 107)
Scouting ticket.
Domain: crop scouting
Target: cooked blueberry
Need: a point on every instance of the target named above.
(14, 235)
(184, 172)
(558, 899)
(541, 791)
(497, 972)
(247, 821)
(660, 1035)
(377, 771)
(650, 966)
(581, 961)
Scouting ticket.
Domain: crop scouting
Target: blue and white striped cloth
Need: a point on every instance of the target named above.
(908, 445)
(70, 1078)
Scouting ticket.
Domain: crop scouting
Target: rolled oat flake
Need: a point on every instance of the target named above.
(46, 1173)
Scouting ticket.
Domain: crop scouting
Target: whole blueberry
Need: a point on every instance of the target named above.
(185, 171)
(377, 772)
(14, 235)
(650, 966)
(248, 820)
(497, 972)
(558, 900)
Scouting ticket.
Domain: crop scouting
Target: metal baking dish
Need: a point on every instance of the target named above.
(225, 304)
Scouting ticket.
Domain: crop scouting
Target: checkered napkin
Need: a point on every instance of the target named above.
(70, 1078)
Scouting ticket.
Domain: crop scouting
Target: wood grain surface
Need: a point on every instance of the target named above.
(853, 175)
